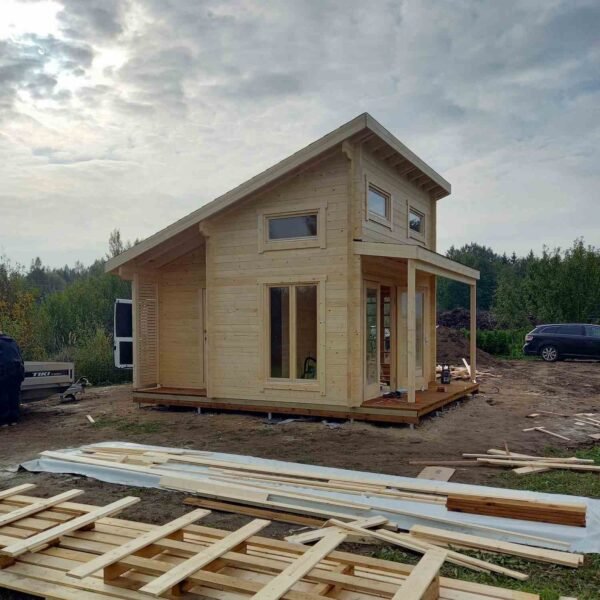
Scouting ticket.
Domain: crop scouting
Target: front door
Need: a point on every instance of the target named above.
(372, 324)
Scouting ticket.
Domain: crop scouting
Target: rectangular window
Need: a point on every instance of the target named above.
(416, 221)
(279, 308)
(293, 336)
(293, 227)
(379, 202)
(306, 332)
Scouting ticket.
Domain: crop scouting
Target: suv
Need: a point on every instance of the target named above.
(569, 340)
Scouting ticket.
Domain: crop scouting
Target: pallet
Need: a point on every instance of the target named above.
(73, 551)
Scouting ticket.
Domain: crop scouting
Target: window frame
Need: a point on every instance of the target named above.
(418, 235)
(292, 383)
(319, 241)
(386, 220)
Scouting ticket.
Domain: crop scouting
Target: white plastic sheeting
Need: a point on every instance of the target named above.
(580, 539)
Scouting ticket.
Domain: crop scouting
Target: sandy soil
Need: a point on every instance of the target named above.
(495, 416)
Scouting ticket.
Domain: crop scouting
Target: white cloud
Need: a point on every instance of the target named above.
(135, 113)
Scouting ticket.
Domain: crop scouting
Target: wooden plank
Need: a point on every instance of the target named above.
(252, 511)
(465, 540)
(105, 560)
(283, 582)
(45, 537)
(39, 506)
(436, 473)
(422, 577)
(545, 512)
(408, 541)
(176, 575)
(19, 489)
(313, 536)
(537, 463)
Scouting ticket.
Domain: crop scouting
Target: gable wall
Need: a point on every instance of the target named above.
(237, 272)
(403, 193)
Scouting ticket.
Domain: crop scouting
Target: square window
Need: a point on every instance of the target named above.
(416, 221)
(379, 202)
(293, 227)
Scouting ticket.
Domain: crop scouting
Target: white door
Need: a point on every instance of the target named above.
(372, 325)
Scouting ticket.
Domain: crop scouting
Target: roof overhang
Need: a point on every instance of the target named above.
(364, 129)
(425, 260)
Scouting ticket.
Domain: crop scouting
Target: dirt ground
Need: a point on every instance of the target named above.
(496, 416)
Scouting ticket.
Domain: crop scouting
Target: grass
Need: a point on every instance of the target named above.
(549, 581)
(130, 427)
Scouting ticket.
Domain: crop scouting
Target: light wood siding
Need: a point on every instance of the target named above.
(147, 329)
(181, 357)
(238, 273)
(404, 194)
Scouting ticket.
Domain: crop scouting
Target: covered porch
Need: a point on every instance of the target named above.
(398, 327)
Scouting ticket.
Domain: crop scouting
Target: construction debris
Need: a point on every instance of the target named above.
(83, 551)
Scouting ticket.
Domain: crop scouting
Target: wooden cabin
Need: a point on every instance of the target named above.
(308, 289)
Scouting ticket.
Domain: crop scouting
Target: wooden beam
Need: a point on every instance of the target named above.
(283, 582)
(473, 333)
(39, 506)
(177, 574)
(423, 577)
(19, 489)
(120, 552)
(411, 333)
(312, 536)
(53, 534)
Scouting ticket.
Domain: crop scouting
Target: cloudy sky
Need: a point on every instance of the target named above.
(132, 113)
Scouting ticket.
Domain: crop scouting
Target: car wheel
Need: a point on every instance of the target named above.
(549, 353)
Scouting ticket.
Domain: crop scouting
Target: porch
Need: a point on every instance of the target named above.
(391, 410)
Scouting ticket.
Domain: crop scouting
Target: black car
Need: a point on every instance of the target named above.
(569, 340)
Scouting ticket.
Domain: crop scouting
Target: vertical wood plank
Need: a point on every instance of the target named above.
(473, 333)
(411, 329)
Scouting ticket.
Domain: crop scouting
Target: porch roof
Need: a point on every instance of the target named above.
(426, 260)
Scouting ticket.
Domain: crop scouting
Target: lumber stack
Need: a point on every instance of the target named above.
(526, 464)
(296, 493)
(526, 510)
(67, 551)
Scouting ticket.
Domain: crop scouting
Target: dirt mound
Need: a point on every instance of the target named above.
(453, 346)
(460, 318)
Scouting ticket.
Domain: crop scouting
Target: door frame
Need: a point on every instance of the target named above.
(204, 344)
(371, 390)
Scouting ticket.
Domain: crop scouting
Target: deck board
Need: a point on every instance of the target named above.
(378, 409)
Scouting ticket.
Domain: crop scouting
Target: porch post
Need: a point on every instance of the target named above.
(473, 333)
(411, 328)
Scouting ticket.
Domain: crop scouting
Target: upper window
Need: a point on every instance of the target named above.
(379, 203)
(416, 221)
(593, 330)
(293, 227)
(570, 330)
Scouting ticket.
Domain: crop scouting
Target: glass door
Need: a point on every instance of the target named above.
(372, 320)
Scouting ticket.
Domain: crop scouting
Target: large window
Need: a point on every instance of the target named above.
(379, 203)
(293, 331)
(293, 227)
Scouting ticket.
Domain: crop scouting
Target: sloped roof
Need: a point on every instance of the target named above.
(364, 127)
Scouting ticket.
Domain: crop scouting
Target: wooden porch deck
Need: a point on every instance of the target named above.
(390, 410)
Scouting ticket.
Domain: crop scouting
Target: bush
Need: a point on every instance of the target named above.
(93, 357)
(502, 342)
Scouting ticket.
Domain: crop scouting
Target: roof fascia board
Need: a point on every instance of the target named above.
(445, 266)
(395, 143)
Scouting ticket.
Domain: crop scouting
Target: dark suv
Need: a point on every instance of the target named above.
(569, 340)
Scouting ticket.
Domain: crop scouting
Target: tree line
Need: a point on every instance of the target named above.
(556, 286)
(66, 313)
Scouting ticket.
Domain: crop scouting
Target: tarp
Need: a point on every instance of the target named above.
(581, 539)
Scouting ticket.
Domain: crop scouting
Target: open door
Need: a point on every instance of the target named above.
(123, 334)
